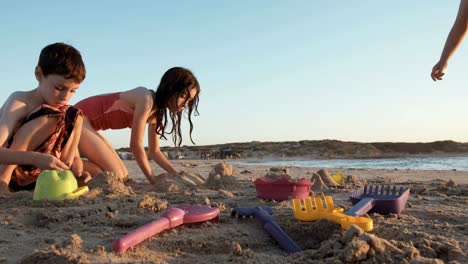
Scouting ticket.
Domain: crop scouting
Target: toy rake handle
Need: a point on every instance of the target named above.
(362, 207)
(276, 232)
(139, 235)
(281, 237)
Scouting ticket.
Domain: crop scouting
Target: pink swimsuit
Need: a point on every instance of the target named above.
(107, 111)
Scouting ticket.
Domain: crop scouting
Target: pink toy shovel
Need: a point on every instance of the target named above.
(174, 216)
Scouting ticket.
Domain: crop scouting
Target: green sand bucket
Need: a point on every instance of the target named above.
(53, 185)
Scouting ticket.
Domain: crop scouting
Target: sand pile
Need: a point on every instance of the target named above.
(220, 177)
(324, 180)
(69, 252)
(109, 184)
(152, 203)
(278, 173)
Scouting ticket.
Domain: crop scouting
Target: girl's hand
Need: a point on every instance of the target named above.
(156, 179)
(4, 189)
(48, 162)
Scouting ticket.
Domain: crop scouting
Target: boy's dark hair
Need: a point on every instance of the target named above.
(62, 59)
(175, 82)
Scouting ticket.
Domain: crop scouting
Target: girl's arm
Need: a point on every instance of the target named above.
(140, 116)
(155, 152)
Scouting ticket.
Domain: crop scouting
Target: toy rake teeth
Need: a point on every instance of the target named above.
(378, 199)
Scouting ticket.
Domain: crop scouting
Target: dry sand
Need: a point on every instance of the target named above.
(432, 229)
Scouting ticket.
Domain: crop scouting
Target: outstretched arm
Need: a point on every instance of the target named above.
(143, 105)
(41, 160)
(454, 39)
(155, 152)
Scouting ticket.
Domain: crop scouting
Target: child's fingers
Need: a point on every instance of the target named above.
(188, 181)
(197, 178)
(59, 165)
(86, 176)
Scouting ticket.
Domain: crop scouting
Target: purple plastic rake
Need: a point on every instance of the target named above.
(378, 199)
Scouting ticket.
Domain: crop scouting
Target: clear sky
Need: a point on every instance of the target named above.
(269, 70)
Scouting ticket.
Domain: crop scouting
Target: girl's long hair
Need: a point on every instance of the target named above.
(175, 82)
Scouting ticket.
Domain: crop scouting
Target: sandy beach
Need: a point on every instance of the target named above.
(433, 228)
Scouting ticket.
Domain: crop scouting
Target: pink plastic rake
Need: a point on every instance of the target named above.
(174, 216)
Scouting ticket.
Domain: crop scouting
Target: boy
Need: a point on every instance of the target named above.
(37, 127)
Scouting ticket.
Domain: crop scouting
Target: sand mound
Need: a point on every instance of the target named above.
(109, 184)
(68, 252)
(152, 203)
(222, 169)
(278, 173)
(323, 181)
(440, 188)
(221, 177)
(354, 245)
(327, 178)
(218, 182)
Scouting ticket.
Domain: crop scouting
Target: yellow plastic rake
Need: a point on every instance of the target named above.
(313, 211)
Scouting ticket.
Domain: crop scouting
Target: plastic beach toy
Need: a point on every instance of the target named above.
(172, 217)
(282, 189)
(263, 213)
(378, 199)
(313, 211)
(53, 185)
(338, 177)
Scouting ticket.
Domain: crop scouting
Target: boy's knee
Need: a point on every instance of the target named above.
(122, 174)
(34, 131)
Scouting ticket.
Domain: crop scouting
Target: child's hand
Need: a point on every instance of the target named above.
(438, 71)
(4, 189)
(84, 178)
(48, 162)
(156, 179)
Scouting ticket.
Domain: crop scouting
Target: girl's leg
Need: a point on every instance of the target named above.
(91, 167)
(123, 168)
(94, 147)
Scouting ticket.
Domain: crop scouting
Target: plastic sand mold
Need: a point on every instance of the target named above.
(53, 185)
(282, 189)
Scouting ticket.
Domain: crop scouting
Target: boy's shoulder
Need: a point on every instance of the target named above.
(17, 102)
(19, 97)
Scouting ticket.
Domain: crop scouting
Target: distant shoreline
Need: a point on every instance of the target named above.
(316, 149)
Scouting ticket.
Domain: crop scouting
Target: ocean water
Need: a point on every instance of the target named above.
(413, 163)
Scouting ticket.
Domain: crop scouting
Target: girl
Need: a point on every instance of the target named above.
(134, 109)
